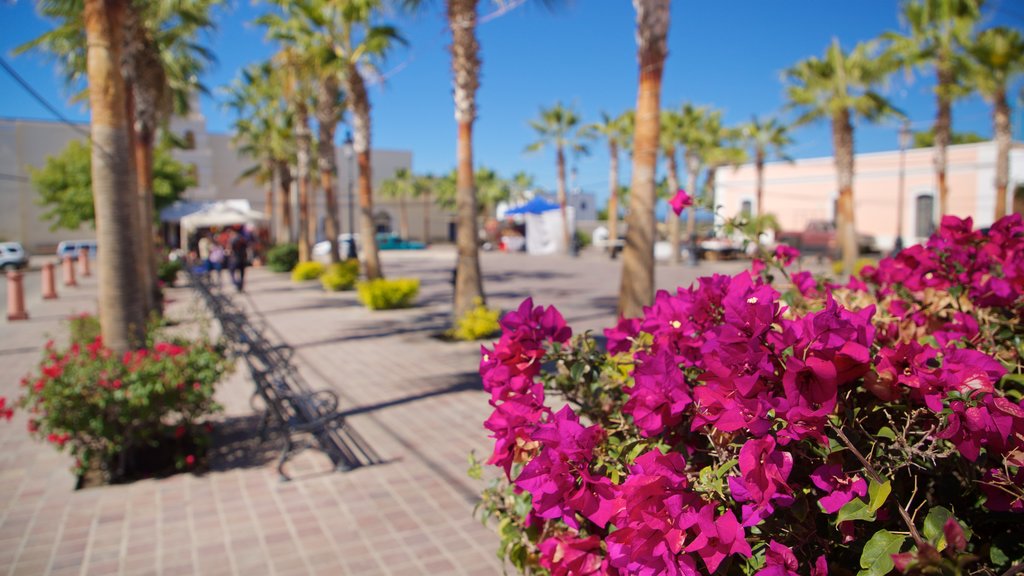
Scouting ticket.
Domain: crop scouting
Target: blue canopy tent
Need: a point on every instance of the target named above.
(537, 205)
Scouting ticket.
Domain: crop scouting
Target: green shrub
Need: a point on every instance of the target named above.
(837, 266)
(84, 328)
(341, 276)
(103, 407)
(479, 323)
(584, 238)
(283, 257)
(307, 271)
(384, 294)
(168, 270)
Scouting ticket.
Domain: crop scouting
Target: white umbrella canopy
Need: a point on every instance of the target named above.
(221, 214)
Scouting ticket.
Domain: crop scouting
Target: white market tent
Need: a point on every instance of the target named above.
(218, 214)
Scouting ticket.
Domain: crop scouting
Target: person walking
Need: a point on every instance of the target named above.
(216, 260)
(238, 259)
(205, 244)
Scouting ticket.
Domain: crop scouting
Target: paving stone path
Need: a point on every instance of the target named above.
(416, 400)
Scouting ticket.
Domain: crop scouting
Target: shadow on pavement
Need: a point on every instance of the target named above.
(467, 381)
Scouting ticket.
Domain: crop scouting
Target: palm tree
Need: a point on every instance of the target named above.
(937, 32)
(330, 106)
(839, 87)
(765, 138)
(698, 125)
(359, 44)
(637, 287)
(263, 132)
(722, 152)
(672, 134)
(559, 127)
(996, 56)
(399, 187)
(616, 131)
(122, 317)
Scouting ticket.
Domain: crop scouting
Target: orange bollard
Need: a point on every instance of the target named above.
(69, 272)
(15, 297)
(49, 286)
(83, 262)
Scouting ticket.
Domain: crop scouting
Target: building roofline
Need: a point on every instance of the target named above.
(929, 149)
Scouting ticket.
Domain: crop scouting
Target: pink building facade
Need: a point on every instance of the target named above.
(805, 190)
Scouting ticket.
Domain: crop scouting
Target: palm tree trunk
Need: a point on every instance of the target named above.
(122, 319)
(360, 105)
(268, 204)
(692, 171)
(462, 19)
(637, 287)
(328, 114)
(672, 167)
(403, 218)
(284, 178)
(710, 181)
(943, 127)
(1001, 125)
(759, 167)
(426, 216)
(842, 138)
(136, 146)
(566, 236)
(613, 195)
(302, 154)
(144, 142)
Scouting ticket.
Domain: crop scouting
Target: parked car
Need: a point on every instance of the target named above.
(71, 248)
(392, 241)
(322, 250)
(12, 256)
(819, 237)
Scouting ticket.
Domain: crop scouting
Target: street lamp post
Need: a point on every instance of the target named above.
(904, 141)
(350, 154)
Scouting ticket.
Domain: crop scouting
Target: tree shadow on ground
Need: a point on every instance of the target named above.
(236, 444)
(428, 322)
(319, 304)
(524, 275)
(464, 382)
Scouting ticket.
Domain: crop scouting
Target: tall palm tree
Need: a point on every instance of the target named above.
(996, 56)
(637, 287)
(671, 136)
(491, 189)
(400, 187)
(122, 317)
(937, 30)
(330, 107)
(359, 43)
(840, 87)
(616, 131)
(721, 152)
(559, 127)
(765, 138)
(698, 125)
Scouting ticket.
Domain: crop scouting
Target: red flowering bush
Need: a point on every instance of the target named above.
(739, 429)
(102, 407)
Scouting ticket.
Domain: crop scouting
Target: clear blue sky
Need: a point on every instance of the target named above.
(728, 53)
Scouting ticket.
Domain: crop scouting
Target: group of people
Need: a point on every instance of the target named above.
(230, 248)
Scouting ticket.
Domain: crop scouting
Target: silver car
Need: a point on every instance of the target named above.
(12, 256)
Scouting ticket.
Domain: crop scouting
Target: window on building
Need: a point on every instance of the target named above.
(190, 140)
(747, 208)
(382, 222)
(924, 215)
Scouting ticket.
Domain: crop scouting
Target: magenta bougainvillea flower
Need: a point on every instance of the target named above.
(717, 537)
(680, 201)
(565, 555)
(659, 394)
(839, 487)
(762, 484)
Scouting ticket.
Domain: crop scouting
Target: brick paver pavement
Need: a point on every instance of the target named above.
(415, 399)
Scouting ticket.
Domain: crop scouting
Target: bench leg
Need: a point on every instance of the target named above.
(286, 448)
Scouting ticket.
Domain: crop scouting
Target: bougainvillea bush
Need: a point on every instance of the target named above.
(773, 423)
(103, 407)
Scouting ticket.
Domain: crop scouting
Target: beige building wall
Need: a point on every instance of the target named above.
(217, 166)
(805, 190)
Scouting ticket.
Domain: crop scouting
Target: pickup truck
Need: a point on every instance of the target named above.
(819, 237)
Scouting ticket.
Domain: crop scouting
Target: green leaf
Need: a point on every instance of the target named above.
(934, 521)
(876, 559)
(886, 432)
(878, 493)
(855, 509)
(997, 556)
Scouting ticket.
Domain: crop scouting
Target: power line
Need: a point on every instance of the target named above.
(46, 104)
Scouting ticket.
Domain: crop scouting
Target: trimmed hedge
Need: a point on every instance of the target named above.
(283, 257)
(385, 294)
(341, 276)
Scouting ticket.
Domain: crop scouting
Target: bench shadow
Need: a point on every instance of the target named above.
(464, 382)
(236, 444)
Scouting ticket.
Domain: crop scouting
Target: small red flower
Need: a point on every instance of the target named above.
(179, 432)
(190, 460)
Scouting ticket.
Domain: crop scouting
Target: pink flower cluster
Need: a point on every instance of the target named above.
(723, 370)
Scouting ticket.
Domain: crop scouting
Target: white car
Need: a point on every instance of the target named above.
(12, 256)
(322, 250)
